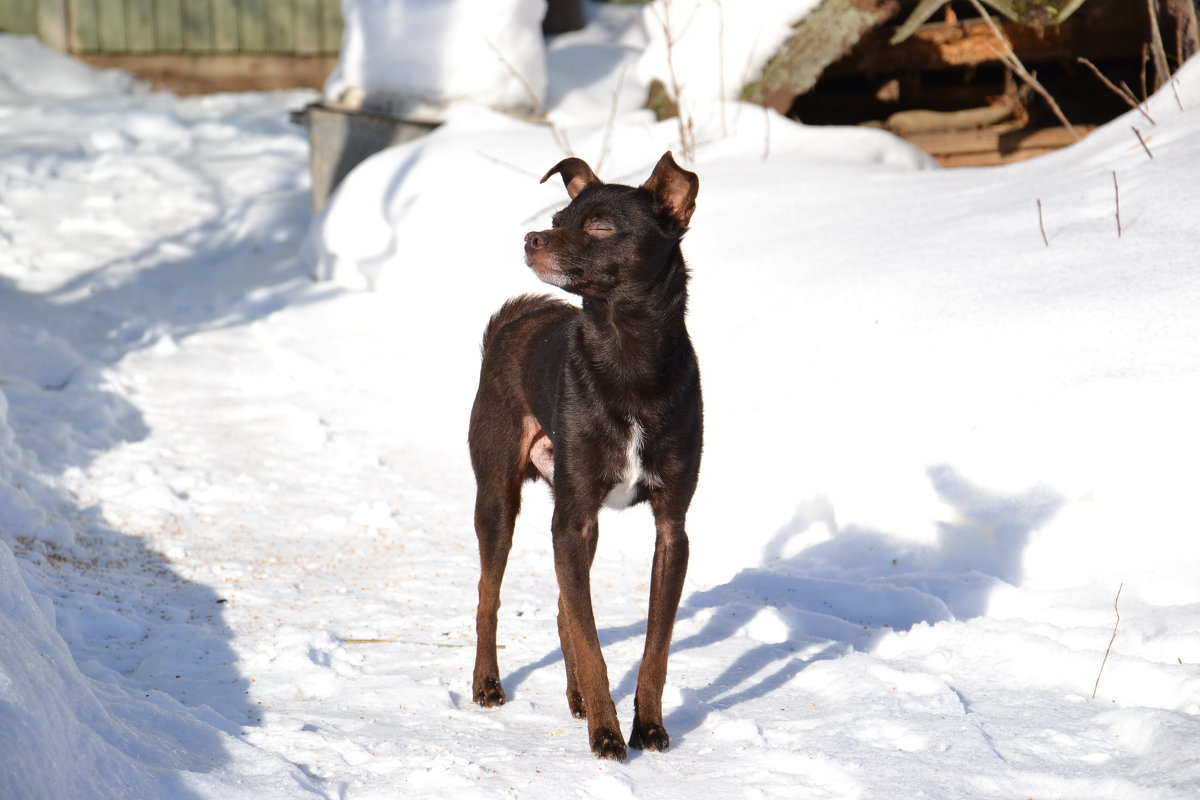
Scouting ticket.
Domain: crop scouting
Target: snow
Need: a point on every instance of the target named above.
(236, 555)
(416, 56)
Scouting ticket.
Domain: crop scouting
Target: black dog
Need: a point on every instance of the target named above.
(603, 402)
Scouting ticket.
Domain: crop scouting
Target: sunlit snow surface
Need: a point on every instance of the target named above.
(236, 554)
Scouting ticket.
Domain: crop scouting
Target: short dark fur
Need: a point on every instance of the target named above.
(562, 391)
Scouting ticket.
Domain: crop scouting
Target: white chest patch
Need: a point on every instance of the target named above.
(621, 495)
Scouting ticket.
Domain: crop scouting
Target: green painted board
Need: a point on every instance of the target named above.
(168, 25)
(308, 26)
(52, 24)
(197, 26)
(302, 27)
(281, 32)
(18, 16)
(139, 26)
(110, 18)
(85, 32)
(225, 26)
(331, 26)
(252, 22)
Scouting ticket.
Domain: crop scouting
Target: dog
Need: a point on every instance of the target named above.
(602, 401)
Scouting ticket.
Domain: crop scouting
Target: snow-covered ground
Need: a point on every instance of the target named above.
(236, 556)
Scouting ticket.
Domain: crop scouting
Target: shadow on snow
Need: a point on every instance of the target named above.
(841, 594)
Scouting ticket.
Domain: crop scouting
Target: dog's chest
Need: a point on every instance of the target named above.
(624, 491)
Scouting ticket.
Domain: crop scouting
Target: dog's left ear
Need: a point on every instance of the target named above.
(674, 188)
(576, 175)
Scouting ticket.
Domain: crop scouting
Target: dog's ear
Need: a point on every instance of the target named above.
(674, 188)
(576, 175)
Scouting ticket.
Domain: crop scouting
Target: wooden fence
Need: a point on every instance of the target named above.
(135, 27)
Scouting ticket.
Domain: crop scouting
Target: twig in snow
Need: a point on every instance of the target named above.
(1175, 89)
(1012, 62)
(1117, 195)
(508, 164)
(766, 132)
(687, 134)
(721, 64)
(393, 640)
(560, 136)
(612, 117)
(1143, 141)
(1042, 223)
(1125, 94)
(1117, 609)
(1162, 73)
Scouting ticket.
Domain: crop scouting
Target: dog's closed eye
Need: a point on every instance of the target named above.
(599, 228)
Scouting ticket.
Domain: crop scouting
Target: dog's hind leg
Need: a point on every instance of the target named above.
(499, 453)
(666, 586)
(495, 517)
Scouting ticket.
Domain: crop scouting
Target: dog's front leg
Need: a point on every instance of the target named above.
(574, 696)
(574, 547)
(666, 586)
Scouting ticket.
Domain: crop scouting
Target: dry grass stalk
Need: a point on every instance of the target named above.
(687, 133)
(1010, 60)
(1117, 196)
(1162, 72)
(1143, 141)
(612, 118)
(1042, 223)
(560, 136)
(1117, 609)
(1123, 93)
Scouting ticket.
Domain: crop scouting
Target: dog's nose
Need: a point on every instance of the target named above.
(535, 240)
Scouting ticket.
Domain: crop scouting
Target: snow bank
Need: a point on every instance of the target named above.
(935, 447)
(55, 78)
(713, 49)
(414, 57)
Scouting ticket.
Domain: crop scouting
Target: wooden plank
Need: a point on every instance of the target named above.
(225, 26)
(52, 24)
(85, 31)
(19, 16)
(110, 18)
(192, 73)
(252, 25)
(168, 25)
(197, 26)
(139, 26)
(281, 26)
(987, 147)
(332, 26)
(308, 27)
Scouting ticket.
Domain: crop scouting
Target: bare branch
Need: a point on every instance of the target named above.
(1012, 62)
(1124, 94)
(1117, 609)
(1143, 141)
(560, 136)
(1117, 196)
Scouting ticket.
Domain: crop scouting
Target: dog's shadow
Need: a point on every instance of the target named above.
(840, 595)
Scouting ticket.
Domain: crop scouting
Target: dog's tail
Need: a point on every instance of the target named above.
(514, 309)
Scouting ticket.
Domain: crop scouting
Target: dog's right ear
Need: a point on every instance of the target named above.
(576, 175)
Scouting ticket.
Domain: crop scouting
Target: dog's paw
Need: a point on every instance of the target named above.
(608, 744)
(649, 737)
(488, 692)
(575, 703)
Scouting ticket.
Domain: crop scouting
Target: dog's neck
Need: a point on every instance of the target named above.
(634, 334)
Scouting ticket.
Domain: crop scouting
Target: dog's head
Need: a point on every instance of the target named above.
(611, 234)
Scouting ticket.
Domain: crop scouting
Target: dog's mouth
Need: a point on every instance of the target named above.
(547, 273)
